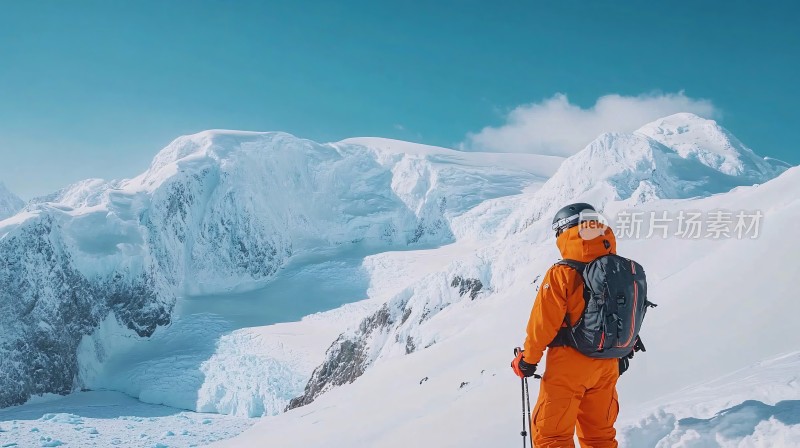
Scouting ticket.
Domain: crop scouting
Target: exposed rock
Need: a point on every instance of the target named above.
(47, 305)
(391, 331)
(471, 286)
(345, 360)
(410, 347)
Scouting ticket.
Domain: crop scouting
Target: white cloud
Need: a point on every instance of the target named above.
(557, 127)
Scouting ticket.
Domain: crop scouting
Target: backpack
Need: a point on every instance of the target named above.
(615, 295)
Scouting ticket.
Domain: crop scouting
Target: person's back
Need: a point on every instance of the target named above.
(575, 388)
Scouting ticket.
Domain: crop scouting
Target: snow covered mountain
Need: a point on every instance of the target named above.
(445, 247)
(9, 202)
(216, 211)
(680, 156)
(712, 145)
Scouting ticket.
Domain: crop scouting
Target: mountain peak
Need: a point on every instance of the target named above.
(676, 157)
(704, 140)
(213, 142)
(686, 117)
(10, 203)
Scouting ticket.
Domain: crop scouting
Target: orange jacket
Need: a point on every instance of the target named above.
(561, 290)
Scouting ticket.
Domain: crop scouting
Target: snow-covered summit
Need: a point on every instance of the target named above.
(680, 156)
(215, 146)
(705, 140)
(9, 202)
(541, 165)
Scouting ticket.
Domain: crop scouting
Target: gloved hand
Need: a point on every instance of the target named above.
(638, 346)
(624, 362)
(623, 365)
(521, 368)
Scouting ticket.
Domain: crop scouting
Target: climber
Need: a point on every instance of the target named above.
(587, 313)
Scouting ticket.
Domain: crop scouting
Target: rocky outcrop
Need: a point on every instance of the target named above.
(471, 286)
(396, 329)
(47, 305)
(346, 359)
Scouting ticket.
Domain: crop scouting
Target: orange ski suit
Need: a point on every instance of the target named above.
(574, 386)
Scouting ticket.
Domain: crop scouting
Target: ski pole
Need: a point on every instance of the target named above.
(524, 432)
(526, 407)
(528, 419)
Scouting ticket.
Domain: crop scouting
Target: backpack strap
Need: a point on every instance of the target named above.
(574, 264)
(564, 334)
(578, 266)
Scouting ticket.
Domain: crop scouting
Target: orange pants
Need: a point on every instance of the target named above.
(574, 388)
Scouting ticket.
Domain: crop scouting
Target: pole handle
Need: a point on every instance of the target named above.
(517, 351)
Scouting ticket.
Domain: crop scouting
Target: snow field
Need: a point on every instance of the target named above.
(108, 419)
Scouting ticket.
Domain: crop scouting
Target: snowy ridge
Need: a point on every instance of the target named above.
(10, 204)
(85, 193)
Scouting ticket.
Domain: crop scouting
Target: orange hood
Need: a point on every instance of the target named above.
(574, 247)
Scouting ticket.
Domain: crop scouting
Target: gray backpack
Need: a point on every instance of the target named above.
(615, 293)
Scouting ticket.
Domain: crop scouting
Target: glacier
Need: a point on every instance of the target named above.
(216, 212)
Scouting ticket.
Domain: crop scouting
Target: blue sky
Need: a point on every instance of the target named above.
(96, 88)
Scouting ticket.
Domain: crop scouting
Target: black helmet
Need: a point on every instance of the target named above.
(569, 216)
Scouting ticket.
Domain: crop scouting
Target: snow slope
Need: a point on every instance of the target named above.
(758, 406)
(213, 357)
(458, 378)
(10, 204)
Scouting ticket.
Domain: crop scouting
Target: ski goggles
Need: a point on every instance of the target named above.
(569, 222)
